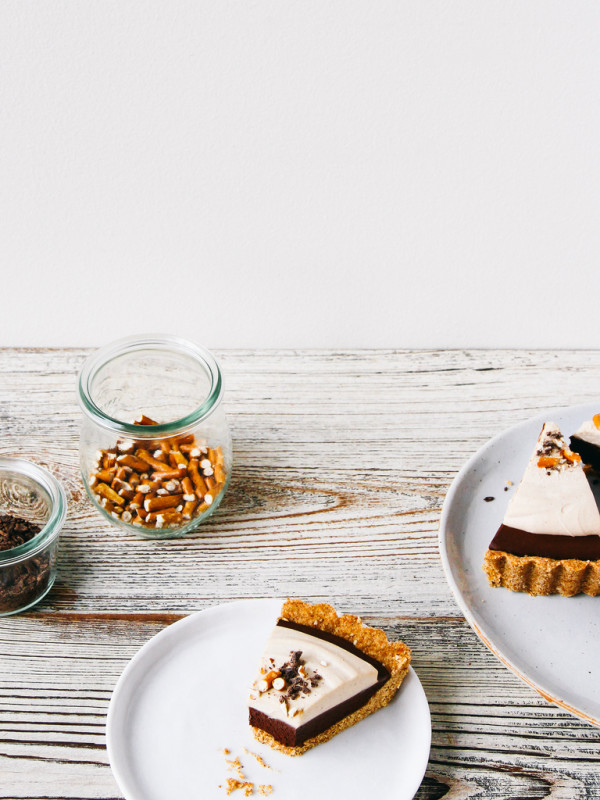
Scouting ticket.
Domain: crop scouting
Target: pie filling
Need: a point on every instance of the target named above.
(546, 545)
(589, 451)
(553, 513)
(310, 679)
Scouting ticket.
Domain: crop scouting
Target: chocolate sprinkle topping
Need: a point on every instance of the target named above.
(297, 684)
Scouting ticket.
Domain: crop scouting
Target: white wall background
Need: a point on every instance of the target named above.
(300, 172)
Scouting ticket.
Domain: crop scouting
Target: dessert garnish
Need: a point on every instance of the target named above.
(319, 674)
(158, 483)
(291, 679)
(24, 581)
(549, 541)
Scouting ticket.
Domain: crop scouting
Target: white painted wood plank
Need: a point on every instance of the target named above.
(336, 455)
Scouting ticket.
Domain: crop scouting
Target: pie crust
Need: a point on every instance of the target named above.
(542, 576)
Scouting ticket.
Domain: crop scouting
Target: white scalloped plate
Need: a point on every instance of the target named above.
(183, 698)
(552, 643)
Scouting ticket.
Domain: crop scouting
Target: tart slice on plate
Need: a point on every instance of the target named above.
(549, 541)
(319, 674)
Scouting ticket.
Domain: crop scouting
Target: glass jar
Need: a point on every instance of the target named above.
(155, 447)
(27, 571)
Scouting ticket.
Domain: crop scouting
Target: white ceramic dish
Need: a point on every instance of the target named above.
(183, 698)
(552, 643)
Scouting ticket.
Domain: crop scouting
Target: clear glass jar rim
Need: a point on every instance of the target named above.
(131, 344)
(58, 511)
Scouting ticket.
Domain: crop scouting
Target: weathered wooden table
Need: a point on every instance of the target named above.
(342, 461)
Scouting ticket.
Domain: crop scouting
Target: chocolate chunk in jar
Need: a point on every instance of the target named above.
(21, 583)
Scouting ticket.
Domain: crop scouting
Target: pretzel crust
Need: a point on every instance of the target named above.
(542, 576)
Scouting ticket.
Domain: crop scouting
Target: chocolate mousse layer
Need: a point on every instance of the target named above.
(295, 737)
(545, 545)
(590, 453)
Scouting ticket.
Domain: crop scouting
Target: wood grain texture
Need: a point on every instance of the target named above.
(342, 461)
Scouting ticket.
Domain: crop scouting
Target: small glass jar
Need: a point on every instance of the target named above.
(155, 447)
(27, 571)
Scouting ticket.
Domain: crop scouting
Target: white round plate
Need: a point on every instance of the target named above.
(552, 643)
(183, 699)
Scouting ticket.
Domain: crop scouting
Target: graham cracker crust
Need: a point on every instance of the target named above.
(542, 576)
(395, 656)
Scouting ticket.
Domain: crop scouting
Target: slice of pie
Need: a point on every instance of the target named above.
(586, 442)
(549, 542)
(320, 674)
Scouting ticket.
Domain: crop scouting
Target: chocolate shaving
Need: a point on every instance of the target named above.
(24, 582)
(15, 531)
(548, 448)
